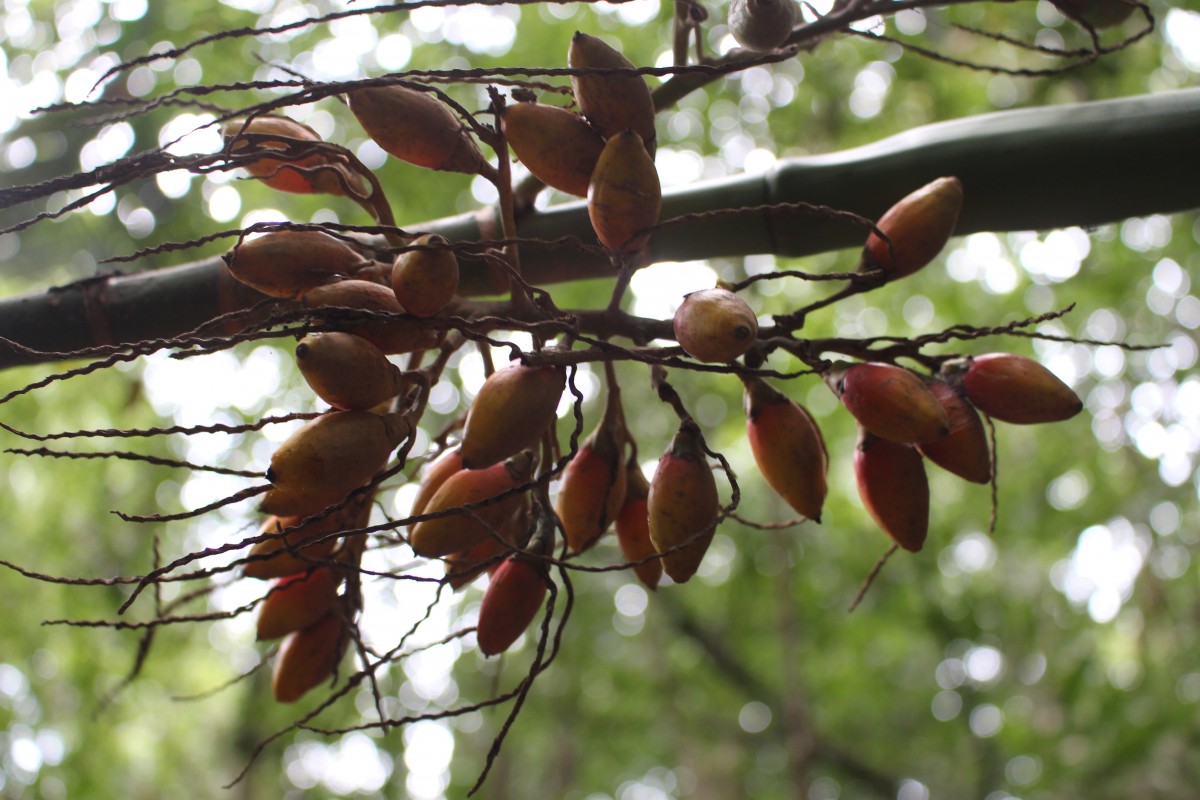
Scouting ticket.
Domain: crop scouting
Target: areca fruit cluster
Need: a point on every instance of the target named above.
(484, 505)
(604, 152)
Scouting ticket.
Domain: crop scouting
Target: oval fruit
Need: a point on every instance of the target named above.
(307, 657)
(514, 407)
(330, 457)
(683, 505)
(761, 25)
(633, 528)
(715, 325)
(893, 487)
(463, 529)
(918, 227)
(624, 196)
(425, 280)
(347, 371)
(964, 451)
(510, 603)
(611, 103)
(320, 171)
(890, 402)
(417, 127)
(296, 602)
(1016, 389)
(289, 263)
(788, 448)
(556, 145)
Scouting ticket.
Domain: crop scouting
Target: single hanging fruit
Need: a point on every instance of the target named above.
(441, 536)
(715, 325)
(964, 451)
(309, 656)
(611, 103)
(425, 281)
(289, 263)
(918, 226)
(889, 401)
(513, 597)
(1013, 388)
(297, 601)
(788, 447)
(683, 504)
(556, 145)
(624, 197)
(514, 407)
(594, 481)
(347, 371)
(633, 528)
(894, 490)
(417, 127)
(761, 25)
(330, 457)
(321, 171)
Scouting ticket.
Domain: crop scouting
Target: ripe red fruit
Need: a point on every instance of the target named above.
(1015, 389)
(633, 528)
(308, 657)
(788, 448)
(296, 602)
(964, 451)
(894, 490)
(890, 402)
(510, 603)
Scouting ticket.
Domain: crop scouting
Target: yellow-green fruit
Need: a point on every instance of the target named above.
(417, 127)
(611, 102)
(683, 505)
(330, 457)
(425, 280)
(556, 145)
(625, 197)
(715, 325)
(761, 25)
(289, 263)
(514, 407)
(347, 371)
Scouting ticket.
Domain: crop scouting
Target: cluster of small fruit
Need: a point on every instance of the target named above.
(482, 505)
(321, 475)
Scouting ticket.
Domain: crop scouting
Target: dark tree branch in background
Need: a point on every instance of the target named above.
(1080, 164)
